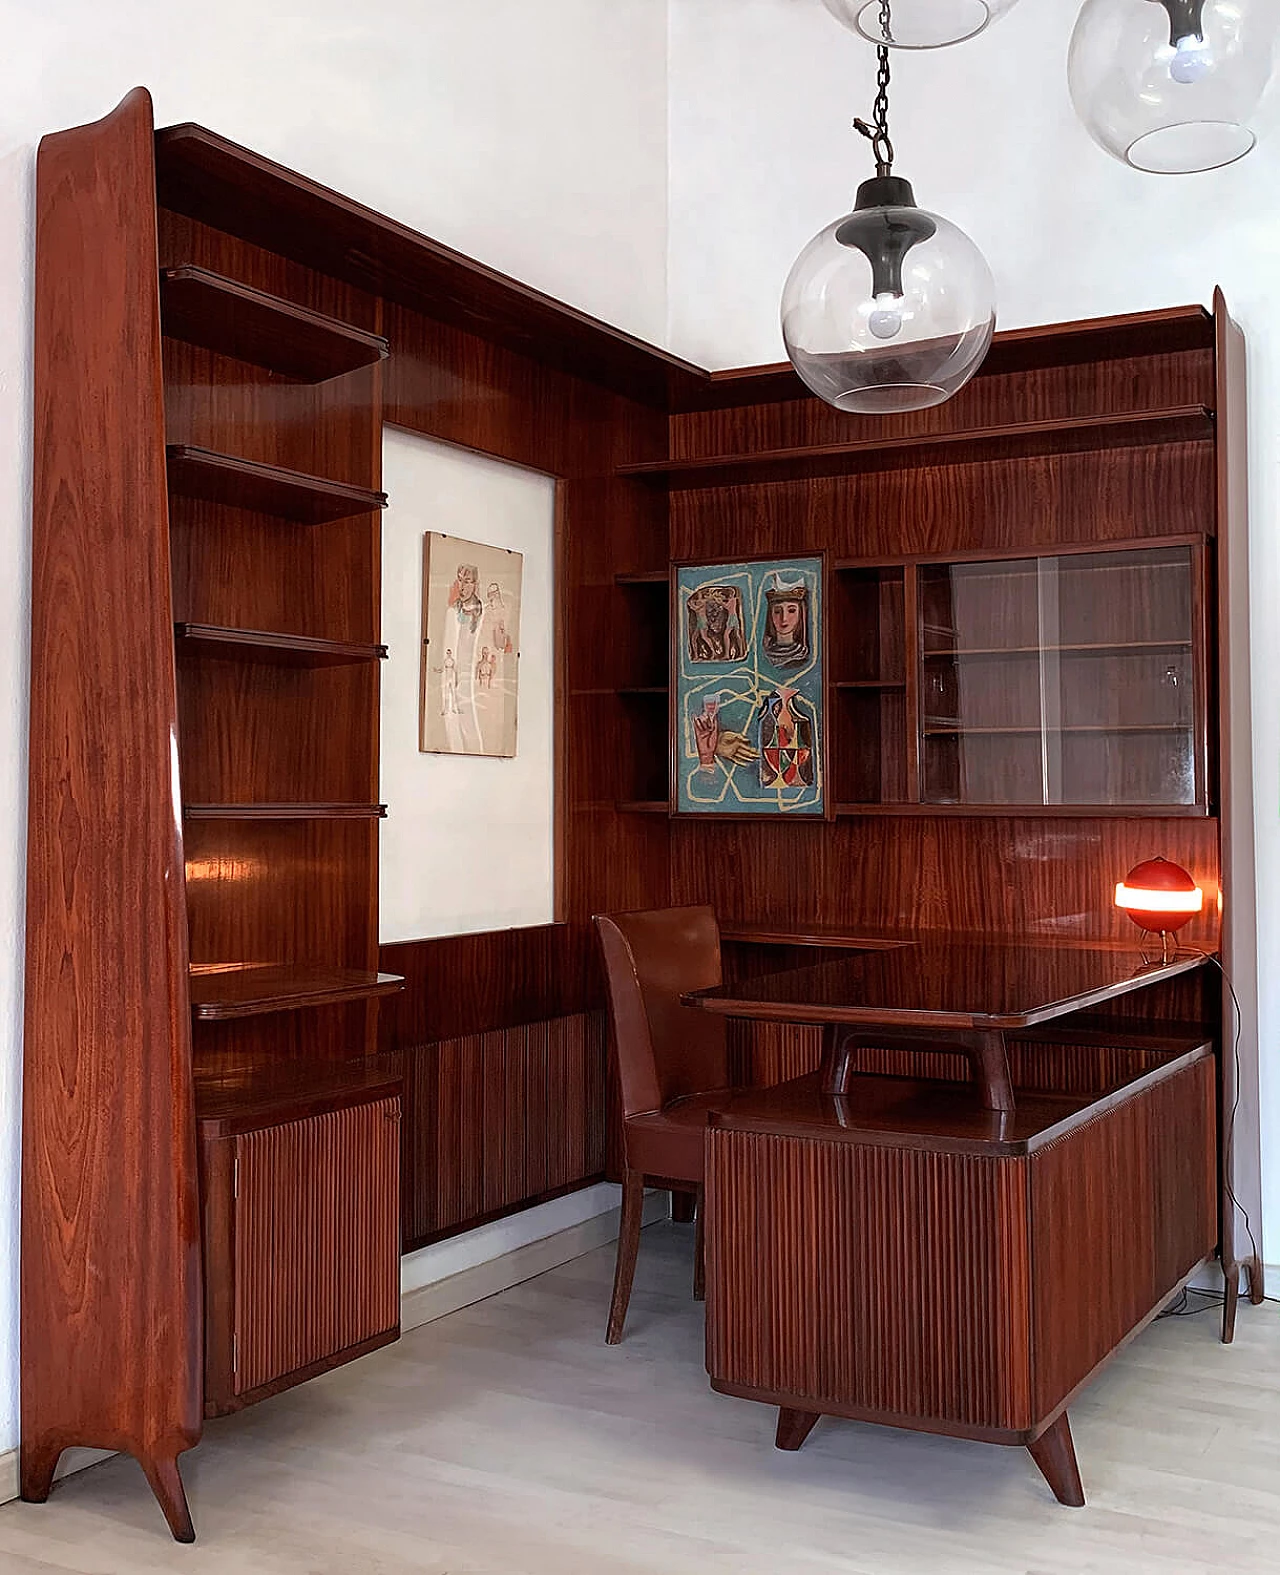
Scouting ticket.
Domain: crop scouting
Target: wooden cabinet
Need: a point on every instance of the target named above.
(301, 1272)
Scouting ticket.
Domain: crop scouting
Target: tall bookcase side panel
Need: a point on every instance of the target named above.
(110, 1223)
(1241, 1147)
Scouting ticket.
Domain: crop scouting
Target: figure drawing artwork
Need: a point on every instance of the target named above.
(749, 688)
(470, 647)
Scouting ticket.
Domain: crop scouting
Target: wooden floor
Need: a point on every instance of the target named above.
(508, 1439)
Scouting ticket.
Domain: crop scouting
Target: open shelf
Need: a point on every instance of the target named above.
(870, 683)
(220, 993)
(262, 645)
(284, 811)
(1020, 440)
(267, 489)
(646, 806)
(650, 577)
(202, 308)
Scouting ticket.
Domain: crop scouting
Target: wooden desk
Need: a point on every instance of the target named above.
(902, 1252)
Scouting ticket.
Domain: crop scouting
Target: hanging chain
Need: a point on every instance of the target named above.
(877, 133)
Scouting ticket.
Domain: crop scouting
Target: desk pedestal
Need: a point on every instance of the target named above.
(948, 1284)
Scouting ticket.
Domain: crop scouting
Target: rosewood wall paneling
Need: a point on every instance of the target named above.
(504, 1042)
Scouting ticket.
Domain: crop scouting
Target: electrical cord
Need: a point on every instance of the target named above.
(1236, 1204)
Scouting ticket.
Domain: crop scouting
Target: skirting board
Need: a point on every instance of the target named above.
(438, 1300)
(430, 1302)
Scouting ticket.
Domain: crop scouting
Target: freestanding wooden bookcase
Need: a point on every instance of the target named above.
(213, 1149)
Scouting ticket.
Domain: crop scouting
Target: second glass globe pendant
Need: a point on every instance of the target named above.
(890, 308)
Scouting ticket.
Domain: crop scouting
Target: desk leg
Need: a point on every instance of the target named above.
(793, 1427)
(1055, 1454)
(991, 1063)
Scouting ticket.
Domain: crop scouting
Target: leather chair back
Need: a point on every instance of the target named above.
(666, 1051)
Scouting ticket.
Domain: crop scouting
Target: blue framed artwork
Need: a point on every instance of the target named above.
(749, 688)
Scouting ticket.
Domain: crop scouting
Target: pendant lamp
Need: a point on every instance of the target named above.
(918, 24)
(1169, 86)
(890, 308)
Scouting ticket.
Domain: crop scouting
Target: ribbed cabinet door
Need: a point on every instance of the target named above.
(317, 1239)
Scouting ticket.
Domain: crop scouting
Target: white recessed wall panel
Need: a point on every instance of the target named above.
(467, 843)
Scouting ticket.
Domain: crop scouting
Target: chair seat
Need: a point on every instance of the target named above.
(669, 1142)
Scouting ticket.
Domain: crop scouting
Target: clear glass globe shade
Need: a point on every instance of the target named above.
(919, 24)
(878, 352)
(1171, 107)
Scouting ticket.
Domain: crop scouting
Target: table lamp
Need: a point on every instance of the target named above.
(1159, 897)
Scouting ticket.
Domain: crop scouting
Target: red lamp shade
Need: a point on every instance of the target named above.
(1159, 896)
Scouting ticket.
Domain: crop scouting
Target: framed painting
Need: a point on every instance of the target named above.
(470, 647)
(749, 692)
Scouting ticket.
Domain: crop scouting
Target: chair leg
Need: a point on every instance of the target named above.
(628, 1247)
(699, 1253)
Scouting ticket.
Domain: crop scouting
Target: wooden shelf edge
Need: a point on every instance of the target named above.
(204, 308)
(1169, 331)
(1178, 424)
(267, 489)
(1034, 811)
(1069, 549)
(265, 643)
(649, 577)
(284, 811)
(644, 807)
(221, 994)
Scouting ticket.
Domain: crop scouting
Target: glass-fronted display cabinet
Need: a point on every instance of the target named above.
(1074, 679)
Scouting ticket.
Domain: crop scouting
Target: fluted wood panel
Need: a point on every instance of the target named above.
(498, 1120)
(1121, 1211)
(835, 1275)
(317, 1248)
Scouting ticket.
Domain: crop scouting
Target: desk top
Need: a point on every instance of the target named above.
(984, 985)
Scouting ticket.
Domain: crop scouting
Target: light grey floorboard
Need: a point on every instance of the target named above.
(507, 1439)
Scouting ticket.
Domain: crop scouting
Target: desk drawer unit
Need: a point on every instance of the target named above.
(899, 1281)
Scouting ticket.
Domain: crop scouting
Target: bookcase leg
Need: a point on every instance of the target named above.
(166, 1483)
(36, 1465)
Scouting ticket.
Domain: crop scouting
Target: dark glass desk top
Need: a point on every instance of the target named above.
(984, 985)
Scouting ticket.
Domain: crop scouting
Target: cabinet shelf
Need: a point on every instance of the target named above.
(653, 806)
(649, 577)
(1012, 810)
(870, 683)
(284, 811)
(1019, 440)
(263, 645)
(953, 730)
(203, 308)
(1104, 648)
(253, 990)
(267, 489)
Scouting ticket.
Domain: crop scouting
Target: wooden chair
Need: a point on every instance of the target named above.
(673, 1065)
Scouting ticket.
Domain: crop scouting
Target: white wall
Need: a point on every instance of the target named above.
(529, 136)
(467, 843)
(762, 157)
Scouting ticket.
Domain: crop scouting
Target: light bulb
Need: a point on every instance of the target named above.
(884, 320)
(1192, 59)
